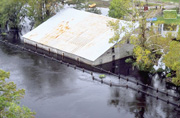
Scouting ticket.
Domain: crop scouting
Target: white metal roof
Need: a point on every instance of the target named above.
(77, 32)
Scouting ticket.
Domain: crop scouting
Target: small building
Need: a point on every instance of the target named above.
(78, 35)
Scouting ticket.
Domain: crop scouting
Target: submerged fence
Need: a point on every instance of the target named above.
(109, 83)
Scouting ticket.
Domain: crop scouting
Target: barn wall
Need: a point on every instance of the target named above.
(56, 51)
(114, 53)
(119, 52)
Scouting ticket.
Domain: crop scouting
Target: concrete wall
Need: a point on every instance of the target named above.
(119, 52)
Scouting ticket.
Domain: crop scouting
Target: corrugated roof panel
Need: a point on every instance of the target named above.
(77, 32)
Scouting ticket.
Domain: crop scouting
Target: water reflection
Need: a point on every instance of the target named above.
(140, 105)
(54, 90)
(37, 74)
(132, 102)
(48, 78)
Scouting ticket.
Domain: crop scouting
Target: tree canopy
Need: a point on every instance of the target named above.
(9, 99)
(41, 10)
(172, 60)
(149, 45)
(119, 8)
(12, 13)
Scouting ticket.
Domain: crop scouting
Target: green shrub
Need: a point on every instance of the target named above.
(152, 71)
(129, 60)
(102, 76)
(3, 34)
(168, 75)
(170, 14)
(160, 70)
(176, 81)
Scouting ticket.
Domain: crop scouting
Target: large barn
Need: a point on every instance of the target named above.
(78, 35)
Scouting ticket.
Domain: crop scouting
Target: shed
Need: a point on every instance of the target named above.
(78, 35)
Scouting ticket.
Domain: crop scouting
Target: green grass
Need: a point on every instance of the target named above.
(168, 21)
(170, 14)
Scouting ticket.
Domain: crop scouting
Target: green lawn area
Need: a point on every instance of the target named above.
(168, 21)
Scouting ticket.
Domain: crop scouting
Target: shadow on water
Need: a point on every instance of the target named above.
(126, 69)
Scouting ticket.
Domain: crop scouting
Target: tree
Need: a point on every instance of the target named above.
(172, 60)
(149, 45)
(119, 8)
(12, 13)
(40, 10)
(9, 96)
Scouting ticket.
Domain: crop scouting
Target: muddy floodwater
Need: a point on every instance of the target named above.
(57, 91)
